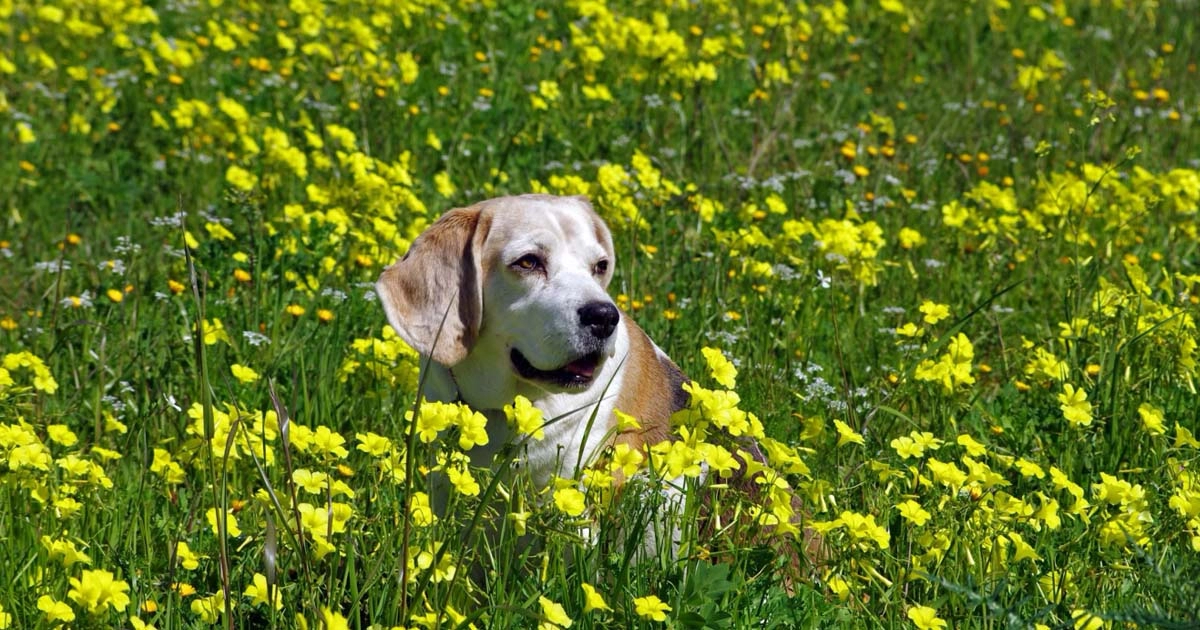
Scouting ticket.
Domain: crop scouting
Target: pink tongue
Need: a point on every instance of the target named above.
(582, 367)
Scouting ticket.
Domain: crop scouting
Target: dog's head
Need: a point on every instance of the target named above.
(513, 287)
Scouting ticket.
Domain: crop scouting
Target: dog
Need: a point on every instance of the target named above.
(509, 297)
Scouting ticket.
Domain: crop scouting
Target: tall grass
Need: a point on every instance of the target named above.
(951, 249)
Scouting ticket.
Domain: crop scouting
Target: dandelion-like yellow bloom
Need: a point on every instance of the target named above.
(847, 435)
(188, 559)
(1075, 406)
(569, 500)
(54, 610)
(553, 615)
(925, 618)
(231, 524)
(373, 444)
(651, 607)
(720, 367)
(527, 418)
(243, 373)
(592, 600)
(258, 592)
(913, 512)
(96, 590)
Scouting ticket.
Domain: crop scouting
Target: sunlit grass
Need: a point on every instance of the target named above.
(944, 253)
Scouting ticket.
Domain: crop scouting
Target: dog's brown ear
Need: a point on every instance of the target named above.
(435, 292)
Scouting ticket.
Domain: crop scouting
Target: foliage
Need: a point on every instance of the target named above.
(940, 257)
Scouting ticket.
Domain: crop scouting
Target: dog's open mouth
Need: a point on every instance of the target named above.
(577, 373)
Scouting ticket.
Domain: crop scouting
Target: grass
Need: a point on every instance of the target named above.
(950, 247)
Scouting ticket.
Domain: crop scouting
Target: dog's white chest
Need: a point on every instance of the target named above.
(573, 438)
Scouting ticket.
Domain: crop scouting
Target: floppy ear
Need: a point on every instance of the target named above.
(434, 293)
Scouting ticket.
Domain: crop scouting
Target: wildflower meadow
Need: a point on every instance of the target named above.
(940, 259)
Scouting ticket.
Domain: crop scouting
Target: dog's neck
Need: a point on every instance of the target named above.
(577, 422)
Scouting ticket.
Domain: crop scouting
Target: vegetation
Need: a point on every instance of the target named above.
(945, 253)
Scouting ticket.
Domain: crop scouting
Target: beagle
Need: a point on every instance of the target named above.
(509, 297)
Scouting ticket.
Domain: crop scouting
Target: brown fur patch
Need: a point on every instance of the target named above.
(441, 271)
(648, 391)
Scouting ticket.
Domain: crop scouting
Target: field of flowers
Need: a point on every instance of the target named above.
(942, 257)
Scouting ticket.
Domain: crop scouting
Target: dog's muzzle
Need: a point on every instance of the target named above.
(576, 373)
(598, 321)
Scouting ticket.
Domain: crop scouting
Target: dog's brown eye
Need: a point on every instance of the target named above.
(600, 268)
(528, 262)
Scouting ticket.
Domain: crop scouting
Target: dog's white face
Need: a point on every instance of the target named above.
(544, 298)
(521, 283)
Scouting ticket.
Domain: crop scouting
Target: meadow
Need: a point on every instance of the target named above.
(942, 258)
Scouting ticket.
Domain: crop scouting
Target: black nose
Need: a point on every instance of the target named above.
(600, 318)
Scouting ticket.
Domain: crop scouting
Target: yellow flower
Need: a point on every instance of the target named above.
(443, 184)
(463, 481)
(592, 600)
(549, 90)
(1152, 419)
(863, 528)
(925, 618)
(472, 427)
(96, 589)
(5, 618)
(327, 442)
(231, 526)
(651, 607)
(209, 608)
(846, 434)
(1021, 549)
(626, 422)
(25, 133)
(138, 624)
(214, 331)
(569, 500)
(913, 512)
(1184, 437)
(188, 559)
(906, 447)
(973, 448)
(55, 610)
(333, 620)
(934, 312)
(910, 238)
(839, 586)
(526, 417)
(420, 511)
(597, 93)
(373, 444)
(720, 367)
(257, 592)
(240, 178)
(1084, 620)
(1075, 406)
(553, 615)
(243, 373)
(218, 232)
(61, 434)
(312, 482)
(626, 459)
(519, 520)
